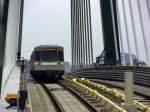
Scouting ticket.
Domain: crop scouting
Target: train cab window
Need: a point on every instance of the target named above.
(60, 55)
(37, 56)
(49, 56)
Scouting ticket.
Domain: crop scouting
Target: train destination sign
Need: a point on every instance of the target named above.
(49, 49)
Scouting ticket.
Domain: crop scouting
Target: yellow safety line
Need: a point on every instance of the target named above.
(113, 92)
(113, 105)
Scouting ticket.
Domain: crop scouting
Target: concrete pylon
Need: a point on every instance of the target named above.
(12, 36)
(110, 32)
(3, 26)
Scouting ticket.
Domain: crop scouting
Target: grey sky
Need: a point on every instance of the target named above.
(49, 22)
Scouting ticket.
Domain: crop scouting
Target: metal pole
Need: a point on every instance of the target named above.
(72, 32)
(134, 30)
(78, 53)
(121, 35)
(75, 34)
(88, 38)
(84, 34)
(90, 31)
(128, 40)
(85, 25)
(82, 37)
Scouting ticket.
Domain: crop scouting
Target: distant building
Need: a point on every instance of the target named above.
(127, 59)
(100, 58)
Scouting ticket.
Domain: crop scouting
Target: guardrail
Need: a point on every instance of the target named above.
(114, 92)
(116, 73)
(80, 86)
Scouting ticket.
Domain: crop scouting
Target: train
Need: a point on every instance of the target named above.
(47, 61)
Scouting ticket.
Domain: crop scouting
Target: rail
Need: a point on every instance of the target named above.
(79, 97)
(54, 100)
(80, 86)
(114, 92)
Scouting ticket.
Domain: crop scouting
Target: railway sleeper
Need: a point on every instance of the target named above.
(98, 104)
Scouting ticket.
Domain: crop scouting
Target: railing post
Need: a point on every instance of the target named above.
(129, 93)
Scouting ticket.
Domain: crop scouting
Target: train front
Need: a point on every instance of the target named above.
(47, 62)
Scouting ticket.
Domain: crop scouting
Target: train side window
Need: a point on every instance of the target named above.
(60, 55)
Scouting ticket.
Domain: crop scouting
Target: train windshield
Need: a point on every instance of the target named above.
(49, 56)
(54, 55)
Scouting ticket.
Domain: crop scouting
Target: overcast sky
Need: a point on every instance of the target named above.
(49, 22)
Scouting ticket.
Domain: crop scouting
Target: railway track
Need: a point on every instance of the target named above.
(115, 76)
(116, 96)
(118, 100)
(38, 99)
(56, 98)
(98, 101)
(60, 91)
(79, 96)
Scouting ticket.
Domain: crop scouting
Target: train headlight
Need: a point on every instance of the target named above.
(51, 63)
(61, 63)
(36, 63)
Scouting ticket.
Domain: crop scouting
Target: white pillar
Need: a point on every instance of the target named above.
(11, 44)
(127, 33)
(145, 28)
(129, 87)
(122, 51)
(134, 29)
(129, 94)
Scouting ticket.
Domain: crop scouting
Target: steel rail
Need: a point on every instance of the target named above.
(139, 105)
(114, 92)
(94, 92)
(58, 106)
(83, 101)
(53, 99)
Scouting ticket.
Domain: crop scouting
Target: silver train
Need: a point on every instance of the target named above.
(47, 61)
